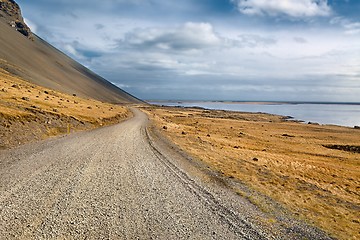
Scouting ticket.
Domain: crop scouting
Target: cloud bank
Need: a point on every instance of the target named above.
(191, 36)
(215, 49)
(292, 8)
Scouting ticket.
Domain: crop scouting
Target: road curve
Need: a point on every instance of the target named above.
(109, 183)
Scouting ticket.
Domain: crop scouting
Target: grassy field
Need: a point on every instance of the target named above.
(287, 161)
(29, 112)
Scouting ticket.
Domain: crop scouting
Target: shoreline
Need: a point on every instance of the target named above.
(255, 102)
(314, 114)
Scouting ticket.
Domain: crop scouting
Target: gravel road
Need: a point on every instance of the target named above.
(112, 183)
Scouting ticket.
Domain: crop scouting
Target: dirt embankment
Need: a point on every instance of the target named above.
(287, 161)
(30, 113)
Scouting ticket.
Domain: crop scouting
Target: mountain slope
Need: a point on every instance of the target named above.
(35, 60)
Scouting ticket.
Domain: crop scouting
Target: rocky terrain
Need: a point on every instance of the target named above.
(10, 11)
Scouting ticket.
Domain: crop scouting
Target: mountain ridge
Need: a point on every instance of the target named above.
(41, 63)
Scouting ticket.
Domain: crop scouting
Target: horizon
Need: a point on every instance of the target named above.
(251, 101)
(304, 50)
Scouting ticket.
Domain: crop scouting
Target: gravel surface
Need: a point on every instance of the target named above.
(112, 183)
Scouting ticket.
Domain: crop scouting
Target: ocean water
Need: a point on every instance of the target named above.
(336, 114)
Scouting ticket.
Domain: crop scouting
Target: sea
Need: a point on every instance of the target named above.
(343, 114)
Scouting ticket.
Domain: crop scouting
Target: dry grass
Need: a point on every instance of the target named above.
(25, 105)
(14, 90)
(284, 160)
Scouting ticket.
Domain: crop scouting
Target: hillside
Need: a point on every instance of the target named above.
(29, 113)
(45, 93)
(25, 55)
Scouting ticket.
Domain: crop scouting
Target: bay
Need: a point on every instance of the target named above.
(343, 114)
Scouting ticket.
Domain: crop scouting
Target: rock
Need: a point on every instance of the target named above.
(164, 127)
(183, 133)
(348, 148)
(25, 98)
(287, 135)
(13, 15)
(208, 135)
(46, 92)
(255, 159)
(356, 127)
(19, 24)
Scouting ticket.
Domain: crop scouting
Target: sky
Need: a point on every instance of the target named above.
(256, 50)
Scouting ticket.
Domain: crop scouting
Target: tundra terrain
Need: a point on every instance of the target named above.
(30, 113)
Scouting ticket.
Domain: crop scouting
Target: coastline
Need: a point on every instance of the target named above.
(322, 113)
(253, 102)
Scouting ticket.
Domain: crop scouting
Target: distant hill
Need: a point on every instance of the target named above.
(24, 54)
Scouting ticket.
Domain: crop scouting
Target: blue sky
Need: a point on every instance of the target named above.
(299, 50)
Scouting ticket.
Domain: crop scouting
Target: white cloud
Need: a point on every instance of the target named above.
(71, 49)
(292, 8)
(351, 27)
(31, 25)
(253, 40)
(191, 36)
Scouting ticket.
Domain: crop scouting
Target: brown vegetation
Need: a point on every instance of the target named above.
(286, 161)
(29, 112)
